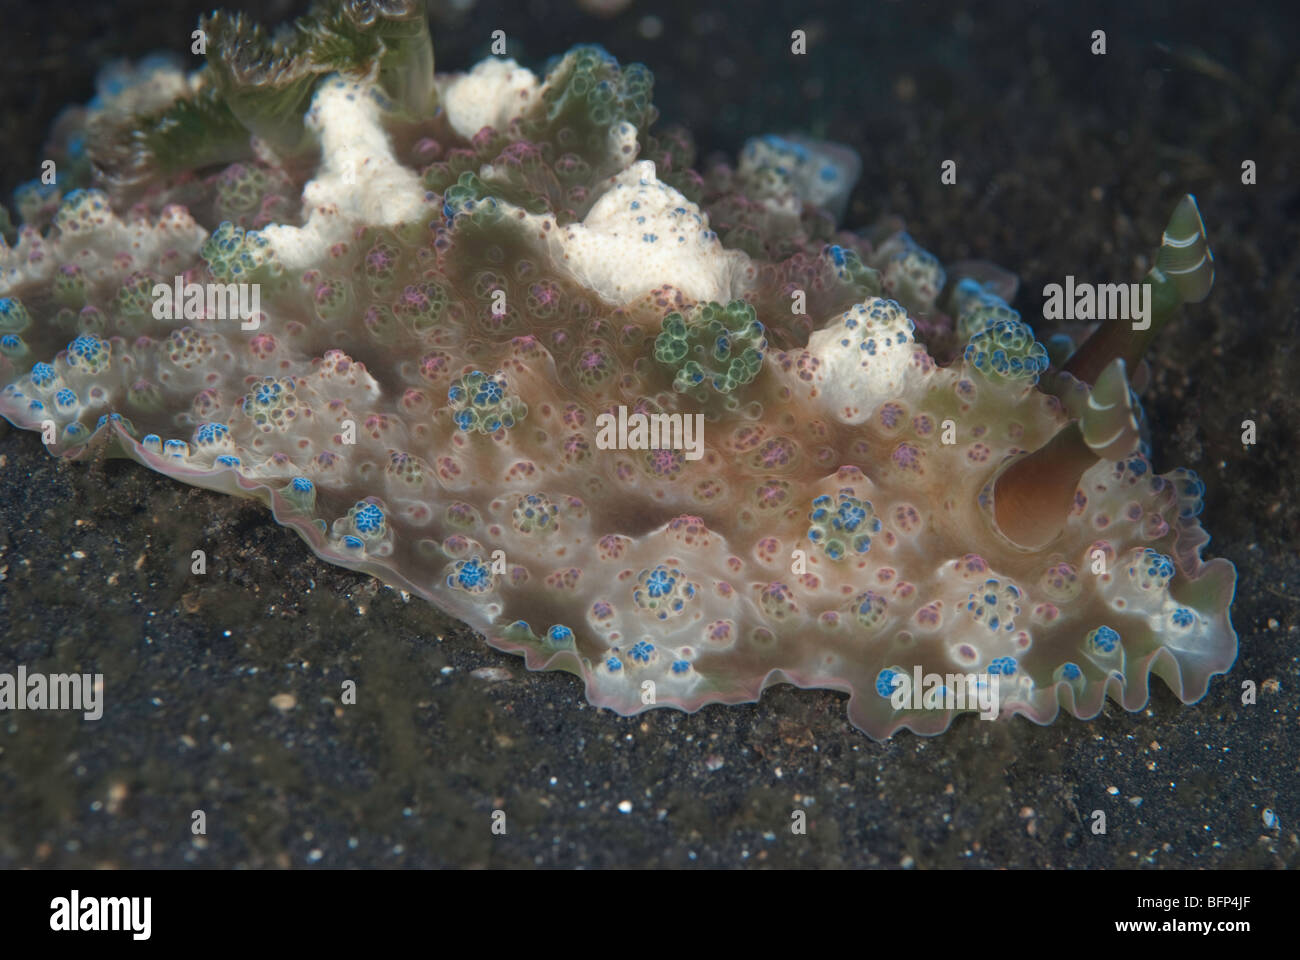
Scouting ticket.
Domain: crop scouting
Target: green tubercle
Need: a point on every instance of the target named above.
(235, 255)
(1006, 351)
(587, 94)
(714, 348)
(14, 317)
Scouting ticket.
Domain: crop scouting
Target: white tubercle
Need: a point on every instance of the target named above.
(359, 180)
(642, 234)
(865, 357)
(492, 94)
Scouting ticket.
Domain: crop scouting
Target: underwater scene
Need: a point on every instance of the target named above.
(619, 433)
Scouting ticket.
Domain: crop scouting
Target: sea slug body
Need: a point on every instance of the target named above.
(459, 276)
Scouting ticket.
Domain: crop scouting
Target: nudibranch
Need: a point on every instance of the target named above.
(489, 338)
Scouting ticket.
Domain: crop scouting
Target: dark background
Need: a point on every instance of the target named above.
(1067, 163)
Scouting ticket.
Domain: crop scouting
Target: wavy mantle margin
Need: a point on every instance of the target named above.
(1218, 575)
